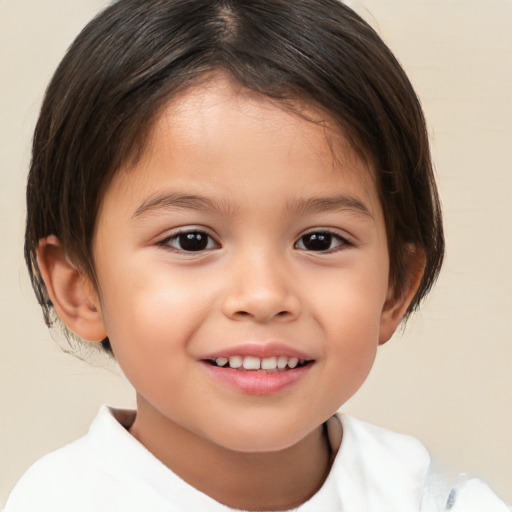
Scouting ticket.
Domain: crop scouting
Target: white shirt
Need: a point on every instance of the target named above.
(108, 470)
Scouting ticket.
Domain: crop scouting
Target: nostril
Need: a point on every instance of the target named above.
(245, 314)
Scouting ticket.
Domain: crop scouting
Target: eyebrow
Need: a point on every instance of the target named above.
(173, 201)
(333, 203)
(178, 200)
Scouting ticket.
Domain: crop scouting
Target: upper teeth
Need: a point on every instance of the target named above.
(255, 363)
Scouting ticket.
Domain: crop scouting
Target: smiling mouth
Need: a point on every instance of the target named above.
(274, 364)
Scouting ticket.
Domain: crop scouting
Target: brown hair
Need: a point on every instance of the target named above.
(137, 54)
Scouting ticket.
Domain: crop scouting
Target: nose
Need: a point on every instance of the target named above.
(261, 289)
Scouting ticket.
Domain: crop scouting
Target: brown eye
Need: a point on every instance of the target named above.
(191, 241)
(319, 241)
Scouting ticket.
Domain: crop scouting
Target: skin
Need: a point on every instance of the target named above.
(258, 169)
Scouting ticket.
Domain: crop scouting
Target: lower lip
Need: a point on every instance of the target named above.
(257, 382)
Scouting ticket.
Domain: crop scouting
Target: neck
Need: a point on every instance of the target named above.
(278, 480)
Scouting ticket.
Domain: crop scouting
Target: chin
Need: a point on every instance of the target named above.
(261, 438)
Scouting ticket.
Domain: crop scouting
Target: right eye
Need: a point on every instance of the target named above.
(190, 241)
(321, 241)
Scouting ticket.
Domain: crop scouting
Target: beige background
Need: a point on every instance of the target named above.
(447, 379)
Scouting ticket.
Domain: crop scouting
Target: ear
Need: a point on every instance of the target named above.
(396, 306)
(73, 295)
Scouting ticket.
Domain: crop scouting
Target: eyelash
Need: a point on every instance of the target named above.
(322, 236)
(206, 242)
(188, 235)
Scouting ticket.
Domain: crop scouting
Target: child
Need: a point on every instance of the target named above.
(236, 199)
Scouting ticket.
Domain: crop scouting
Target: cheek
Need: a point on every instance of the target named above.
(349, 309)
(150, 324)
(353, 335)
(150, 306)
(350, 300)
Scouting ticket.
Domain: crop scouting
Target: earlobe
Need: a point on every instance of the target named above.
(72, 294)
(395, 307)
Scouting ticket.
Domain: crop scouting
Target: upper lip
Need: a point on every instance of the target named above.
(260, 350)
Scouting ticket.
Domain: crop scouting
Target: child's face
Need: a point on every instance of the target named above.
(286, 257)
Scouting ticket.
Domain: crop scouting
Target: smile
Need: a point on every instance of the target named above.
(259, 368)
(272, 364)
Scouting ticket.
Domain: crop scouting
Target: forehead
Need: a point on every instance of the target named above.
(231, 132)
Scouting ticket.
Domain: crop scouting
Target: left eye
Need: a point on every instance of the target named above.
(320, 241)
(190, 241)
